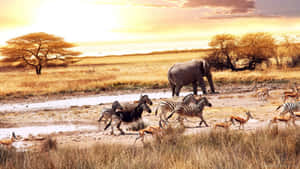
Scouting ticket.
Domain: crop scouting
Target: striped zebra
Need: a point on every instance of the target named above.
(289, 108)
(191, 110)
(169, 106)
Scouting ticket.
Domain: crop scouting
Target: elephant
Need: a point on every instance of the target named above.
(184, 73)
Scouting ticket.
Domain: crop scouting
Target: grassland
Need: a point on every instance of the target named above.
(97, 74)
(266, 149)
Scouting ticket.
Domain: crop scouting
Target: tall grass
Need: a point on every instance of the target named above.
(212, 150)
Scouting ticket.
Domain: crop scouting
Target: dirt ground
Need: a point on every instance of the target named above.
(231, 100)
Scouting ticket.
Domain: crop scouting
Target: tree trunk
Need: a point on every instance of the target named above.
(38, 69)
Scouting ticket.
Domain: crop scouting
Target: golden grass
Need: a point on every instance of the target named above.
(273, 148)
(93, 74)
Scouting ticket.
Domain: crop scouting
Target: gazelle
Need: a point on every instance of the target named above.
(285, 119)
(263, 93)
(287, 95)
(224, 125)
(153, 130)
(297, 114)
(291, 94)
(8, 142)
(241, 120)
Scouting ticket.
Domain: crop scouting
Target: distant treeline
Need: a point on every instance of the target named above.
(247, 51)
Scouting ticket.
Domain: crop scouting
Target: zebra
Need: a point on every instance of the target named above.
(169, 106)
(191, 110)
(289, 108)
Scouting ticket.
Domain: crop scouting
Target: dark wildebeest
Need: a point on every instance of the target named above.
(106, 113)
(130, 106)
(127, 117)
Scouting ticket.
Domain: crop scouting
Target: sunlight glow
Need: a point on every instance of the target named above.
(78, 19)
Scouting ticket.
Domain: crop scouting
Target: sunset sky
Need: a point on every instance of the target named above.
(92, 21)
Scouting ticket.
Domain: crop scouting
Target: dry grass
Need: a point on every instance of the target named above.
(268, 149)
(119, 72)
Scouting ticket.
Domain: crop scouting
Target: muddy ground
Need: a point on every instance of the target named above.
(231, 100)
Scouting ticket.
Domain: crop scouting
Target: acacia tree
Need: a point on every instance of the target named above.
(37, 49)
(250, 49)
(257, 48)
(290, 49)
(224, 46)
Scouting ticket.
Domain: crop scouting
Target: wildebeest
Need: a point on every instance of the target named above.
(127, 117)
(130, 106)
(106, 113)
(181, 74)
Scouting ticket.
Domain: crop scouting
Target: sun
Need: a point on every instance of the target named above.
(78, 19)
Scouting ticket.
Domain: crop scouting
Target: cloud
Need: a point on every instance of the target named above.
(234, 6)
(146, 3)
(228, 6)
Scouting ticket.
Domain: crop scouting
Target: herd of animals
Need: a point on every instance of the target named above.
(192, 105)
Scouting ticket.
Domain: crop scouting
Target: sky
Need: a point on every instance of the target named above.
(117, 21)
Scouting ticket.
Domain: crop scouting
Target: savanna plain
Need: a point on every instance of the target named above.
(258, 145)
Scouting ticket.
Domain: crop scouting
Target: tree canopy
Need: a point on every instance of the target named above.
(37, 49)
(241, 53)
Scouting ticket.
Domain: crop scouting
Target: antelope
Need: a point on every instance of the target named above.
(297, 114)
(263, 93)
(224, 125)
(153, 130)
(285, 119)
(241, 120)
(287, 95)
(293, 94)
(8, 142)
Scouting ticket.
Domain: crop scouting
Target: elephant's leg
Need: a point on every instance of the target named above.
(202, 85)
(173, 89)
(210, 82)
(195, 87)
(177, 90)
